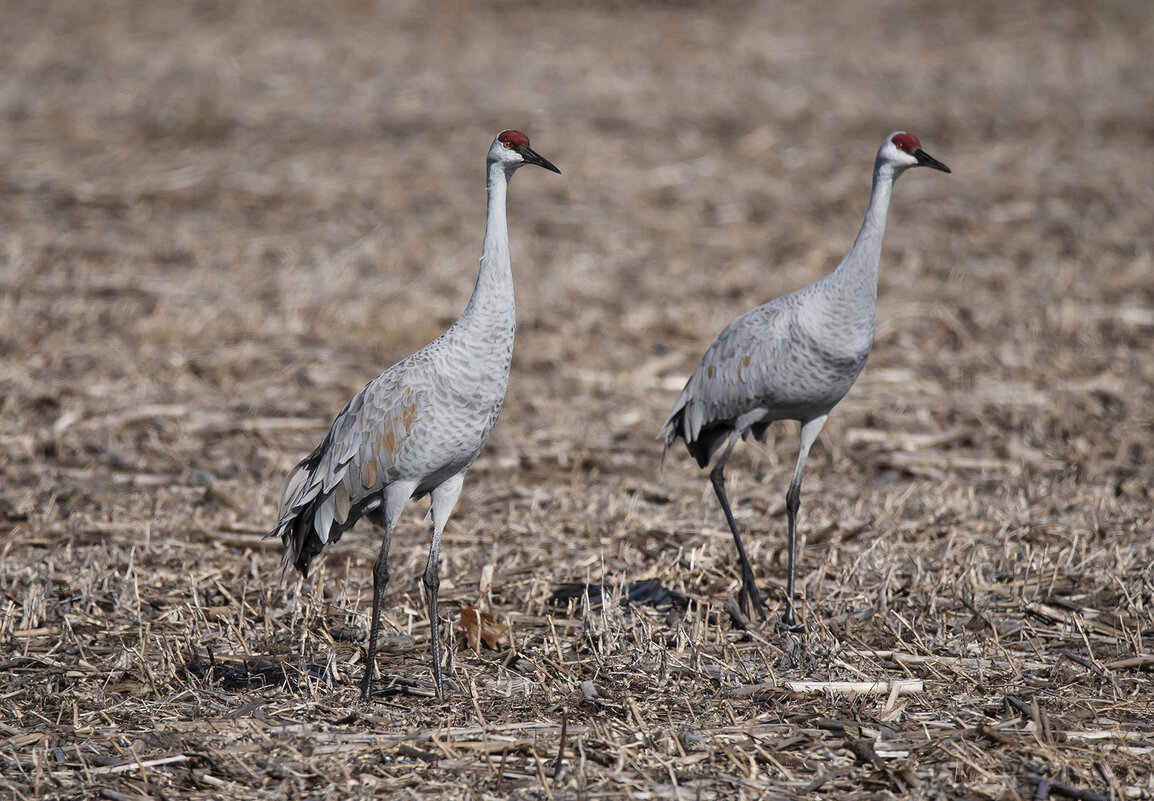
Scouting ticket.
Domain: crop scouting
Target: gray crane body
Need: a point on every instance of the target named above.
(411, 429)
(416, 428)
(776, 362)
(793, 358)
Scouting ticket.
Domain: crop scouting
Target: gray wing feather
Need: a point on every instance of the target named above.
(351, 465)
(734, 374)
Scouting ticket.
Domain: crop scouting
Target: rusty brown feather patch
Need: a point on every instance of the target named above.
(408, 416)
(369, 473)
(388, 441)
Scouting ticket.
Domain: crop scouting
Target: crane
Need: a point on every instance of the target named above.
(415, 429)
(793, 358)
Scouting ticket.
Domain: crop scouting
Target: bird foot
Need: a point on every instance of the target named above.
(789, 627)
(794, 642)
(750, 600)
(787, 623)
(399, 685)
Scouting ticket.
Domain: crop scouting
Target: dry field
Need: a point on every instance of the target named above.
(219, 220)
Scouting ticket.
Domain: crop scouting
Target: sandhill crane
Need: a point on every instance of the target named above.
(792, 359)
(416, 428)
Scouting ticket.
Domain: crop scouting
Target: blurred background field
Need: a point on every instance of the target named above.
(219, 220)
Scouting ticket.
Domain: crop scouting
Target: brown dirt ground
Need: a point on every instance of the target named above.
(219, 220)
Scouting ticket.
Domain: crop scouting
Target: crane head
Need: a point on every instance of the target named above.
(904, 151)
(511, 148)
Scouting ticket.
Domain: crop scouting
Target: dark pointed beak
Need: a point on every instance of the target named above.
(533, 157)
(926, 160)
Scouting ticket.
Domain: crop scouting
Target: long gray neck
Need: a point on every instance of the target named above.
(491, 305)
(853, 286)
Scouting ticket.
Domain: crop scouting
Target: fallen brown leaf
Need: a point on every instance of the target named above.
(481, 627)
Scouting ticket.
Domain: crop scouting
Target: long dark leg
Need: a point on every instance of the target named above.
(809, 432)
(380, 581)
(750, 599)
(443, 501)
(432, 585)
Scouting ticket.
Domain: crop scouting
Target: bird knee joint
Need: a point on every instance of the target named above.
(793, 501)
